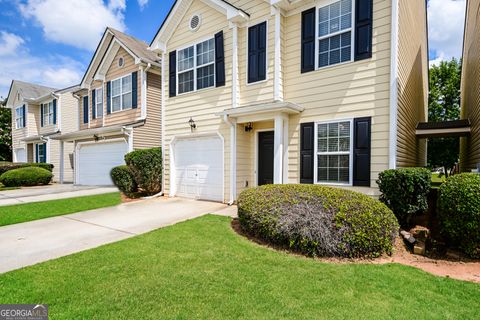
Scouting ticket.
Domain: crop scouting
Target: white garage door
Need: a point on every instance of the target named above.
(199, 168)
(96, 160)
(20, 155)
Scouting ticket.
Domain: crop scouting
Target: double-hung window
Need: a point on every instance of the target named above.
(335, 33)
(99, 102)
(121, 93)
(333, 147)
(196, 67)
(47, 113)
(20, 117)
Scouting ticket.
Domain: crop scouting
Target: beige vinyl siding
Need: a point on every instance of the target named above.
(33, 119)
(69, 112)
(470, 91)
(412, 82)
(149, 135)
(350, 90)
(200, 105)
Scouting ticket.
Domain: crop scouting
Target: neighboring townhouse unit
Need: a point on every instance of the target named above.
(38, 114)
(118, 108)
(470, 87)
(257, 92)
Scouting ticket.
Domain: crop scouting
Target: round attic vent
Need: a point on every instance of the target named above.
(121, 62)
(195, 22)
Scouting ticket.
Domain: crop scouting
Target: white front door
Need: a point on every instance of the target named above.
(20, 155)
(97, 159)
(199, 168)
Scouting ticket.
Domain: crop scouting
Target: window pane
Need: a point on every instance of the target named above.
(323, 14)
(99, 95)
(334, 25)
(205, 52)
(127, 101)
(116, 87)
(116, 103)
(185, 59)
(346, 6)
(322, 145)
(205, 77)
(323, 29)
(334, 42)
(185, 82)
(344, 129)
(127, 84)
(346, 21)
(322, 130)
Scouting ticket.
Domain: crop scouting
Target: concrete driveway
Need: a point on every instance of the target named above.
(32, 242)
(50, 192)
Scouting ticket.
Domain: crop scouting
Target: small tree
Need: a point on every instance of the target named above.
(444, 105)
(5, 132)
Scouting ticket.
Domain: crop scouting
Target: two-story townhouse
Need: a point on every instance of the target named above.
(38, 114)
(280, 91)
(118, 107)
(470, 88)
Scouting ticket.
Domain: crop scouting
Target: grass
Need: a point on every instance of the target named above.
(437, 178)
(45, 209)
(201, 269)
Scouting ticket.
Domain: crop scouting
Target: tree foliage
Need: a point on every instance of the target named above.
(444, 105)
(5, 133)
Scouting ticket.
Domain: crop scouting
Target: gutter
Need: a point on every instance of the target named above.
(233, 156)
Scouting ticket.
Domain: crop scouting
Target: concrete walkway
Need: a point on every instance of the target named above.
(32, 242)
(50, 192)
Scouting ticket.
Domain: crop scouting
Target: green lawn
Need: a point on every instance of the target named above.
(39, 210)
(201, 269)
(436, 178)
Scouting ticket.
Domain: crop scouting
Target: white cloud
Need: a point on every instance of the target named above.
(76, 23)
(9, 43)
(445, 28)
(55, 71)
(142, 3)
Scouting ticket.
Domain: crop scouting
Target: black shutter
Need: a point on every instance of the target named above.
(109, 101)
(85, 109)
(172, 74)
(36, 153)
(361, 151)
(94, 104)
(24, 111)
(307, 132)
(363, 29)
(308, 40)
(41, 115)
(219, 60)
(54, 111)
(134, 89)
(257, 52)
(44, 156)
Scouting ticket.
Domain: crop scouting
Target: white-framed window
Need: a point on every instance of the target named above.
(47, 113)
(122, 93)
(41, 152)
(99, 102)
(335, 33)
(334, 152)
(196, 67)
(19, 117)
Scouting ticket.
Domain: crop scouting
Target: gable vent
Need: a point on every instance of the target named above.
(195, 22)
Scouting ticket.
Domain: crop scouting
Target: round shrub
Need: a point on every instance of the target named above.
(405, 191)
(7, 166)
(318, 220)
(28, 176)
(459, 212)
(146, 168)
(124, 180)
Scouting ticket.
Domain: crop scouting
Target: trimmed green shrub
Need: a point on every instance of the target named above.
(459, 212)
(405, 191)
(7, 166)
(124, 180)
(146, 168)
(318, 220)
(28, 176)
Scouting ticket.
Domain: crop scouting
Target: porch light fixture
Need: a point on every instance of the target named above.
(249, 127)
(192, 124)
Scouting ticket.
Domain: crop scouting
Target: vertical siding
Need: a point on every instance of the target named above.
(412, 82)
(470, 96)
(149, 135)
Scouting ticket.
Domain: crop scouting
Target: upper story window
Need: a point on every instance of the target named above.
(99, 102)
(20, 117)
(335, 33)
(122, 93)
(47, 113)
(257, 52)
(333, 147)
(196, 67)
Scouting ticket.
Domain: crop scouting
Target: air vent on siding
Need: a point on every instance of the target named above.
(121, 62)
(195, 22)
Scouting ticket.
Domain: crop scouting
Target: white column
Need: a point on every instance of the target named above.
(143, 81)
(62, 164)
(278, 151)
(285, 149)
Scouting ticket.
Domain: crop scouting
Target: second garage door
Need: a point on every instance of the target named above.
(96, 160)
(199, 168)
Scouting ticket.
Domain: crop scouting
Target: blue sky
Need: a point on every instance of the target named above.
(51, 42)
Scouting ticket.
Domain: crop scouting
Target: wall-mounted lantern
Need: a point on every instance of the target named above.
(249, 127)
(192, 124)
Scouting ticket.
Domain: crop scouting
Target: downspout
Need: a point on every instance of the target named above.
(144, 91)
(233, 160)
(162, 119)
(392, 154)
